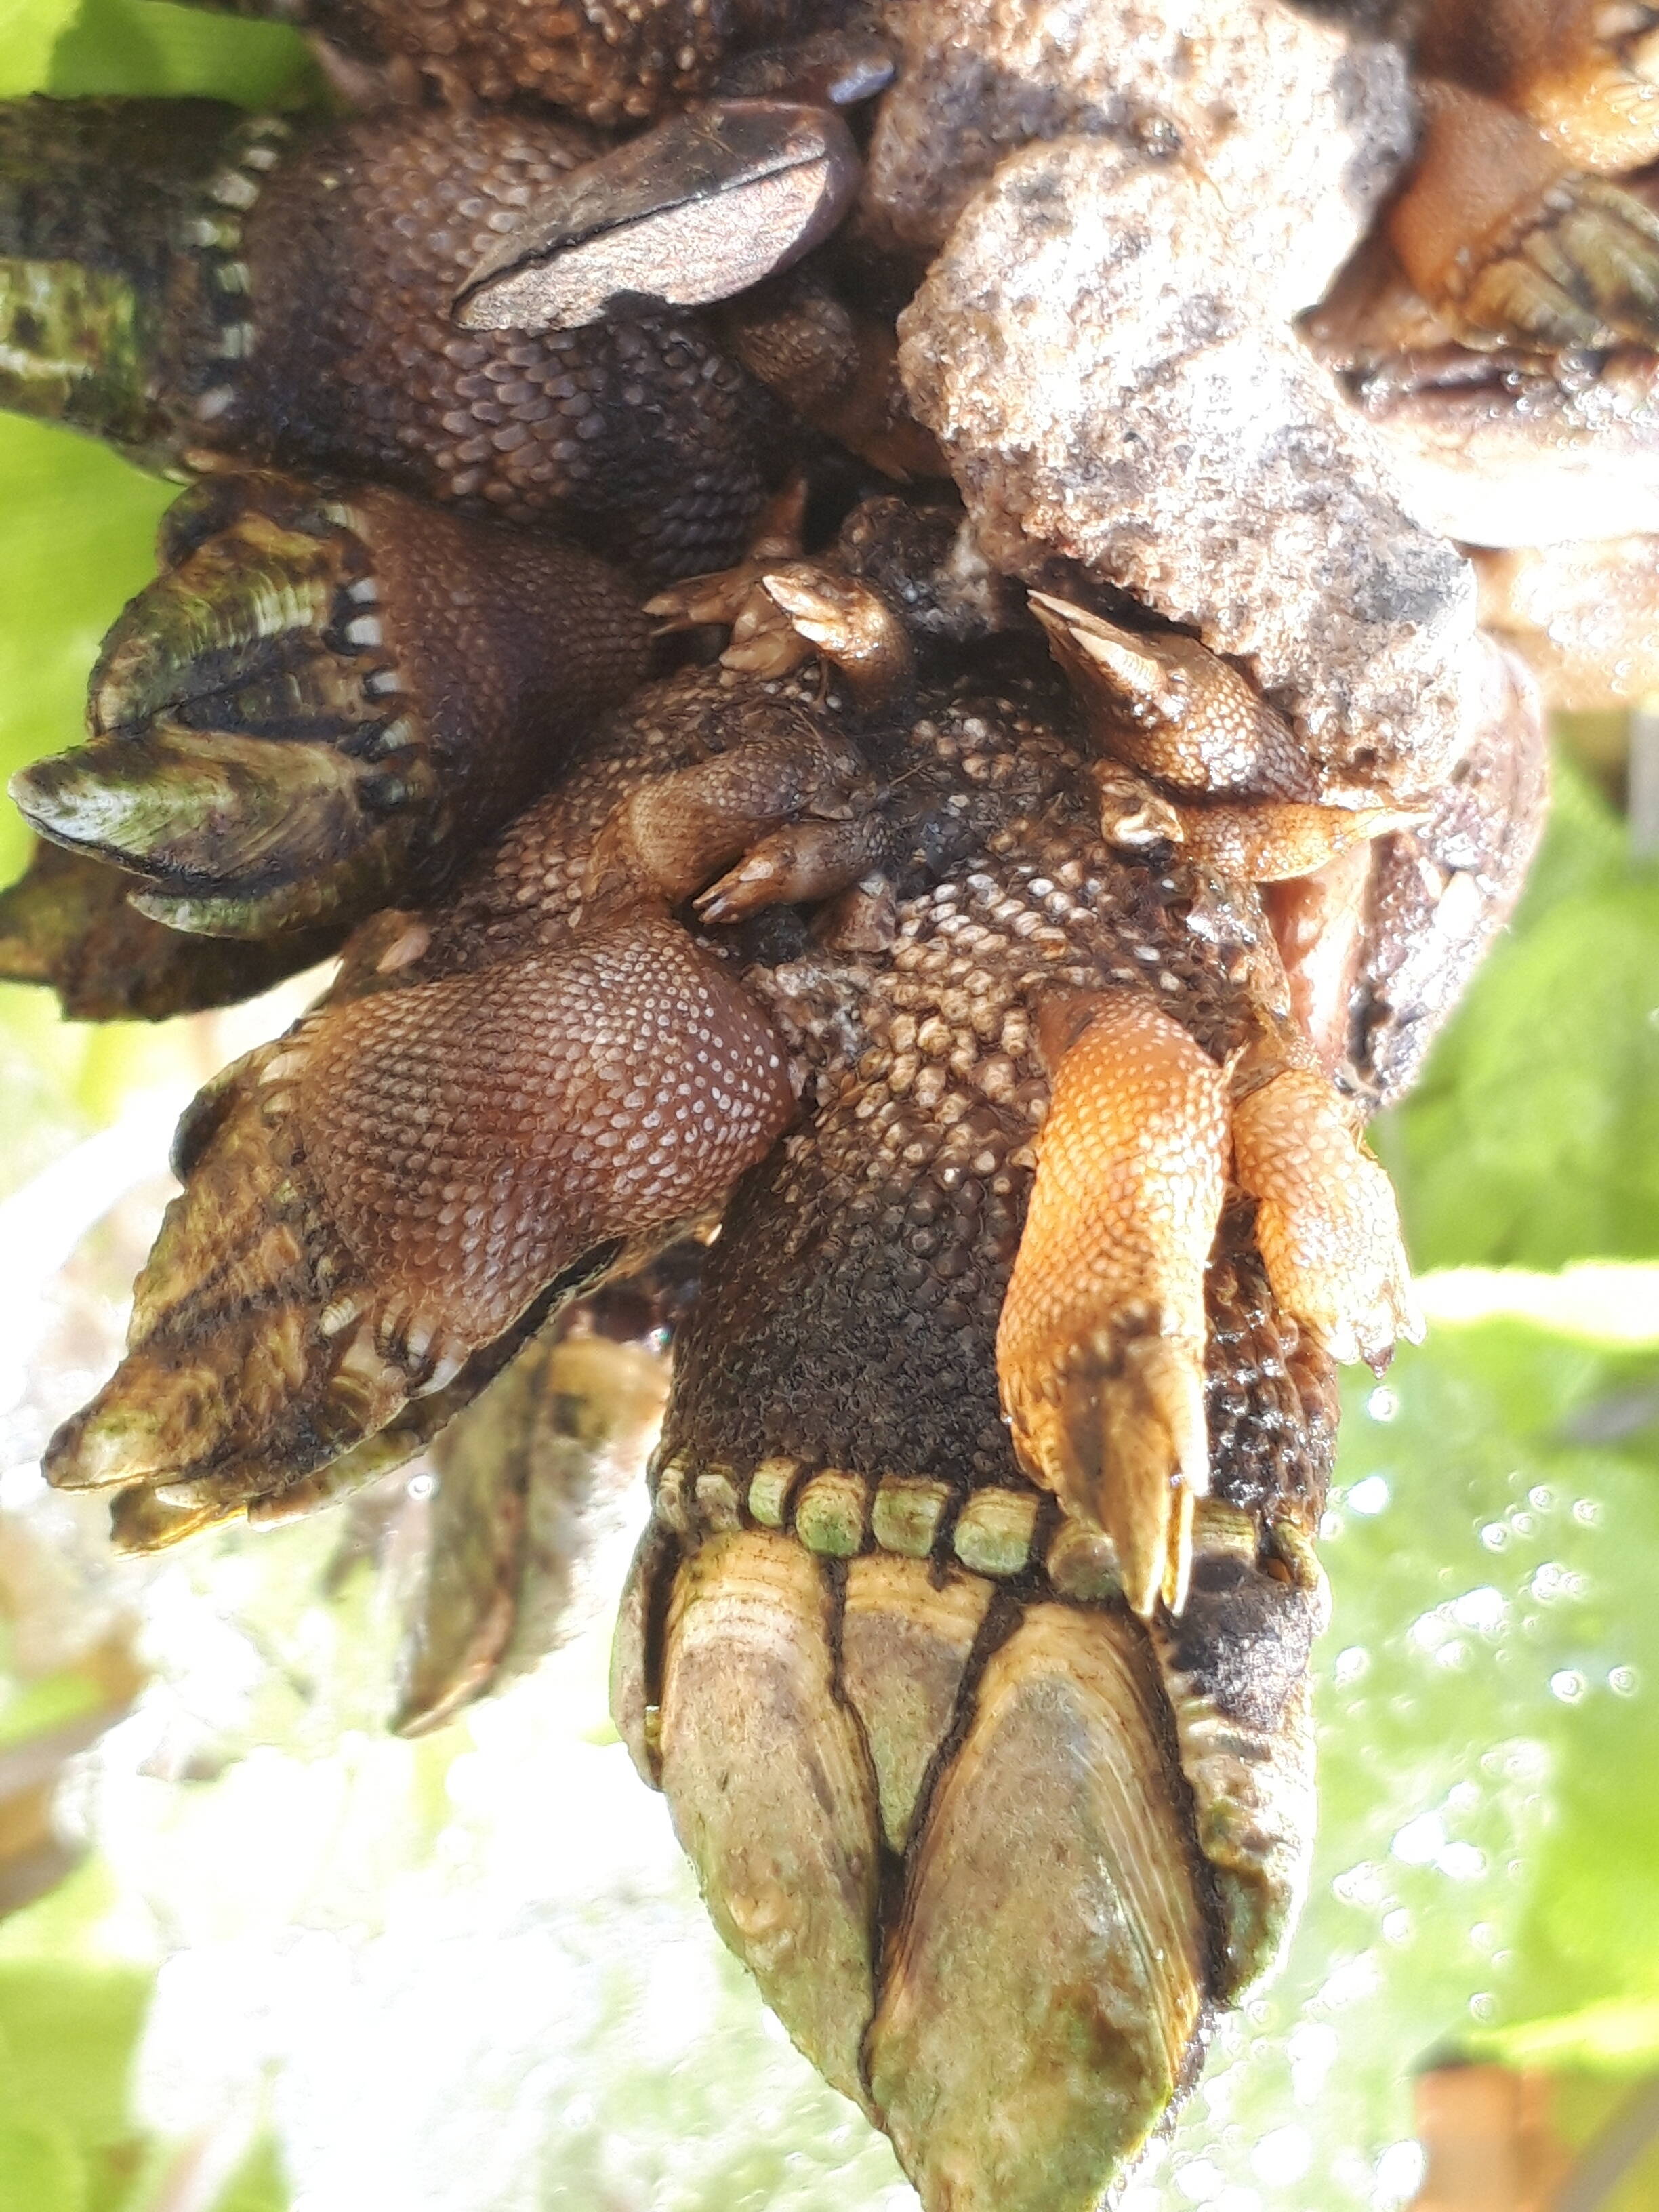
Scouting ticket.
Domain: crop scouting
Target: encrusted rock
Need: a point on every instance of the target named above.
(1297, 126)
(1116, 386)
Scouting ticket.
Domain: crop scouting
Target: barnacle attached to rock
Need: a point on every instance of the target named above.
(843, 1526)
(329, 698)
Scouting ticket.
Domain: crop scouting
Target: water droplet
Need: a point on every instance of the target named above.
(1587, 1511)
(1421, 1841)
(1370, 1496)
(1523, 1524)
(1383, 1403)
(1201, 2181)
(1481, 1608)
(1543, 1498)
(1569, 1685)
(1282, 2155)
(422, 1486)
(1483, 2005)
(1494, 1535)
(1350, 1665)
(1400, 2172)
(1623, 1680)
(1461, 1862)
(1397, 1926)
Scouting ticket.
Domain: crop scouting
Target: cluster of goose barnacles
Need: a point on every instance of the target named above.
(890, 642)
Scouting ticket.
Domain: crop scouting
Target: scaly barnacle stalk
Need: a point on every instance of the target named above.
(182, 277)
(327, 701)
(380, 1197)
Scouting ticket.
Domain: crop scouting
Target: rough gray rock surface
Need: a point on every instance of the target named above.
(1114, 388)
(1299, 125)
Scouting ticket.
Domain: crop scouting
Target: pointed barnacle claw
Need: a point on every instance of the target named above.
(704, 205)
(1021, 2059)
(1165, 705)
(851, 624)
(1099, 1350)
(1326, 1222)
(764, 642)
(802, 863)
(326, 699)
(341, 1247)
(1266, 842)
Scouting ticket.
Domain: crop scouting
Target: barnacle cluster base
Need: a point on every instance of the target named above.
(890, 644)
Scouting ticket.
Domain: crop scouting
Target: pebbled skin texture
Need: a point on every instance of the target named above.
(613, 61)
(306, 321)
(640, 432)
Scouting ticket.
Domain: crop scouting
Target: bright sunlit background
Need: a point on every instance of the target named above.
(264, 1956)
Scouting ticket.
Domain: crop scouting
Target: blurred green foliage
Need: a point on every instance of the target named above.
(1534, 1138)
(1489, 1866)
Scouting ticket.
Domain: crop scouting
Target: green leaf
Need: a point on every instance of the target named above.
(77, 530)
(70, 2031)
(1534, 1139)
(34, 1707)
(146, 46)
(1620, 2036)
(260, 2185)
(30, 29)
(40, 2171)
(1487, 1700)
